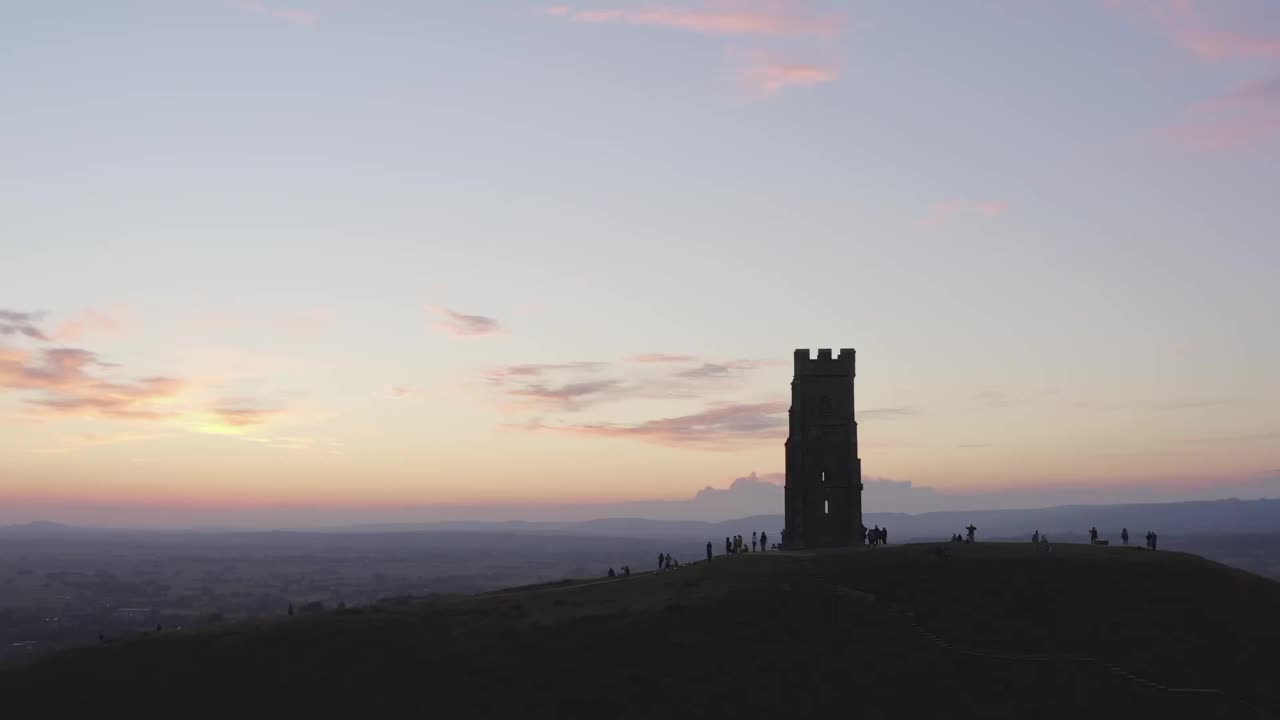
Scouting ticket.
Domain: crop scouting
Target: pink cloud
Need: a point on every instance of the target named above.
(1245, 116)
(87, 321)
(771, 76)
(1184, 24)
(734, 18)
(70, 381)
(456, 323)
(948, 211)
(399, 391)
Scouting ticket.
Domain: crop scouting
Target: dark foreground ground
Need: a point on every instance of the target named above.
(756, 636)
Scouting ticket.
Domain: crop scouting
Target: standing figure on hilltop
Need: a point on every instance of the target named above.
(1124, 535)
(884, 535)
(1093, 536)
(1035, 538)
(612, 573)
(708, 551)
(971, 530)
(661, 558)
(1149, 539)
(764, 540)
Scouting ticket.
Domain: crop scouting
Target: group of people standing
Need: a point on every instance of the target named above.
(738, 544)
(875, 536)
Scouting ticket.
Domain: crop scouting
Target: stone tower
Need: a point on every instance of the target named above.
(824, 474)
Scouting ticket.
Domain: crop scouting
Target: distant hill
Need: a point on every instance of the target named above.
(759, 636)
(1180, 518)
(1177, 518)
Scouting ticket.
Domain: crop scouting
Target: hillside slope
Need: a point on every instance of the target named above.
(759, 635)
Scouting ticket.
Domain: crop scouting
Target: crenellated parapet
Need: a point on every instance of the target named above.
(824, 364)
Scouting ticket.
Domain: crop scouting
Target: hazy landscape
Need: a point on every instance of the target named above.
(63, 586)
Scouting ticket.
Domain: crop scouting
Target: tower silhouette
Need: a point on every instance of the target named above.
(824, 475)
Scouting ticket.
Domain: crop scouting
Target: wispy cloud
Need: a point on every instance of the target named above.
(767, 74)
(69, 382)
(766, 69)
(84, 323)
(731, 18)
(720, 427)
(238, 415)
(662, 358)
(1246, 115)
(75, 382)
(293, 16)
(399, 391)
(463, 325)
(1198, 404)
(889, 413)
(573, 386)
(21, 323)
(1201, 29)
(951, 210)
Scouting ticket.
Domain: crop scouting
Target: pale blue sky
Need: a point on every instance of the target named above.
(1049, 229)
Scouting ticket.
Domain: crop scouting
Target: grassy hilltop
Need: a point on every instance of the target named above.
(756, 636)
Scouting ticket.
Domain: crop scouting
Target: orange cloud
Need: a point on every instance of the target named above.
(67, 385)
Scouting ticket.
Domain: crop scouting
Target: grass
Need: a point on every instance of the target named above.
(755, 635)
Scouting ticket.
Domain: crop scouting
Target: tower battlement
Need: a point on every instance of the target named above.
(824, 364)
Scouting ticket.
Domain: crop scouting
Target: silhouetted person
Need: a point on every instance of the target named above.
(884, 535)
(1093, 536)
(708, 551)
(1124, 535)
(612, 573)
(1148, 539)
(1035, 538)
(626, 571)
(728, 546)
(668, 561)
(661, 558)
(754, 540)
(764, 541)
(971, 530)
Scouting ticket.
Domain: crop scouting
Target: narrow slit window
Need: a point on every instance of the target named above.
(826, 507)
(824, 476)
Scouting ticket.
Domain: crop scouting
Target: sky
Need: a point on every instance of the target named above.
(374, 258)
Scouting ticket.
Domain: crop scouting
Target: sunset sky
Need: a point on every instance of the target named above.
(374, 253)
